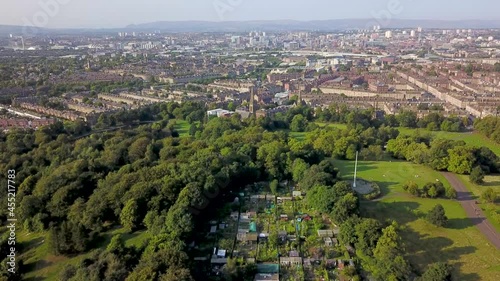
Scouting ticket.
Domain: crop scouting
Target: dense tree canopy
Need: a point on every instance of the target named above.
(76, 187)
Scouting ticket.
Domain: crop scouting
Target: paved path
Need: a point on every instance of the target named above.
(473, 211)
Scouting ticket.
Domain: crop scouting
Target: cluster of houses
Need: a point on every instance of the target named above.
(6, 124)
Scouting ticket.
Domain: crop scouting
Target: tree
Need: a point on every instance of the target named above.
(388, 262)
(316, 175)
(437, 216)
(437, 272)
(461, 159)
(193, 129)
(116, 245)
(274, 187)
(412, 188)
(299, 123)
(233, 270)
(299, 167)
(489, 195)
(138, 148)
(372, 153)
(129, 216)
(477, 175)
(497, 67)
(272, 156)
(347, 233)
(439, 156)
(321, 198)
(407, 119)
(432, 192)
(368, 233)
(451, 193)
(345, 208)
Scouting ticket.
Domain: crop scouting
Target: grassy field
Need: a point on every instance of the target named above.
(491, 210)
(39, 264)
(182, 127)
(470, 138)
(460, 243)
(332, 125)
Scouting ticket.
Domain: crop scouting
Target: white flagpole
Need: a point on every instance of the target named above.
(355, 170)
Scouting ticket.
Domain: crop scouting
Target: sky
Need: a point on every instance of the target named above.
(120, 13)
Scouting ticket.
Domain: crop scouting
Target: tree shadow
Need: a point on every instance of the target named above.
(385, 187)
(37, 265)
(401, 212)
(464, 223)
(35, 279)
(31, 244)
(423, 250)
(491, 184)
(362, 166)
(128, 236)
(465, 196)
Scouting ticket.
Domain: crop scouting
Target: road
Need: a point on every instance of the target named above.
(473, 211)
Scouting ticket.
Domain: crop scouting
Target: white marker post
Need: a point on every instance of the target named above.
(355, 170)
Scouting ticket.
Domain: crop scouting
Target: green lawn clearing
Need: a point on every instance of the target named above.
(459, 244)
(182, 127)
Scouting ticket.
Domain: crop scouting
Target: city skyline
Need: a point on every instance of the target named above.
(115, 13)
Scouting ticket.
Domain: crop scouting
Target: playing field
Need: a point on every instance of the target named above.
(460, 243)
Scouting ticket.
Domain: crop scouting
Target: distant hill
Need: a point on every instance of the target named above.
(323, 25)
(19, 30)
(274, 25)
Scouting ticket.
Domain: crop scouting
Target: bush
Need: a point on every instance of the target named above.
(437, 216)
(375, 193)
(412, 188)
(451, 193)
(437, 272)
(489, 195)
(429, 190)
(477, 175)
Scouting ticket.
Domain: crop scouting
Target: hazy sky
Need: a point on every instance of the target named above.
(118, 13)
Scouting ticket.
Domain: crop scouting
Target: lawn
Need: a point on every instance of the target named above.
(332, 125)
(460, 243)
(182, 127)
(491, 210)
(300, 136)
(41, 265)
(471, 138)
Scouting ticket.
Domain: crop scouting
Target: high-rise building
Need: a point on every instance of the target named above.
(388, 34)
(412, 33)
